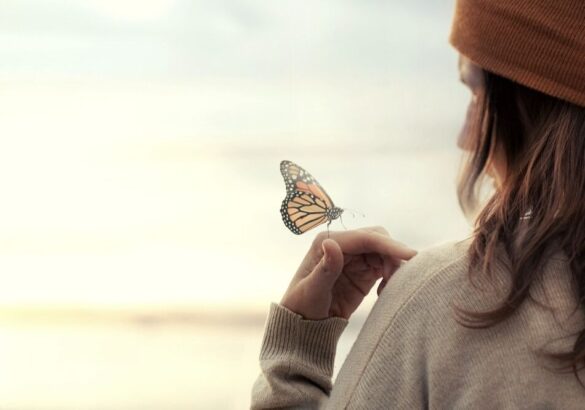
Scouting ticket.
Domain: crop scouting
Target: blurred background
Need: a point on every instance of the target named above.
(140, 235)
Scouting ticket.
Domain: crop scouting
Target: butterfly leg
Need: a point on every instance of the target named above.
(328, 223)
(342, 222)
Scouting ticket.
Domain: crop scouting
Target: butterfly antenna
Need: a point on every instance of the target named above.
(341, 219)
(354, 211)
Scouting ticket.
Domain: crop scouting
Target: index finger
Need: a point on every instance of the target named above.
(360, 241)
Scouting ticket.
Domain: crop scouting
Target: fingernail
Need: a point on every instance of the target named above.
(408, 247)
(404, 245)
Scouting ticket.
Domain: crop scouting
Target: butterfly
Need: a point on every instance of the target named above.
(306, 205)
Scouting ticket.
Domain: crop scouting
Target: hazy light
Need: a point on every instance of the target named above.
(132, 10)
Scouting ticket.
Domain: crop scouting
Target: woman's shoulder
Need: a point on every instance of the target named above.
(403, 318)
(440, 256)
(419, 294)
(441, 263)
(420, 289)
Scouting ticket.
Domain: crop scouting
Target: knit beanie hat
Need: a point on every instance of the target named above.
(537, 43)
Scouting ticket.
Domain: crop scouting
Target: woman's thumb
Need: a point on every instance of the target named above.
(329, 268)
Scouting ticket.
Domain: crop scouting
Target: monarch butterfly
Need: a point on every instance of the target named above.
(306, 205)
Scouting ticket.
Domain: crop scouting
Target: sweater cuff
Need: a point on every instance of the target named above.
(312, 342)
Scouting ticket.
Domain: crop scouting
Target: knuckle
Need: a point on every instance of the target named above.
(367, 241)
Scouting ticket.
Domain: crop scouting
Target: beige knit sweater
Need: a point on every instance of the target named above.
(411, 354)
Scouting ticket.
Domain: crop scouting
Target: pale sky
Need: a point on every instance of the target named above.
(140, 141)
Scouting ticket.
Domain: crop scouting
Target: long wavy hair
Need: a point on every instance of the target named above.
(542, 139)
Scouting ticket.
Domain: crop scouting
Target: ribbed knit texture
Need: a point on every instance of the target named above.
(537, 43)
(294, 348)
(310, 341)
(411, 354)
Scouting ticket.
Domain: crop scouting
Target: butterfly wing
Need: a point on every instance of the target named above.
(298, 179)
(302, 211)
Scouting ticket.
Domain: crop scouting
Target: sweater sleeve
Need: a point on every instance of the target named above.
(296, 360)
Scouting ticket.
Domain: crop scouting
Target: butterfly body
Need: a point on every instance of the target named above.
(306, 204)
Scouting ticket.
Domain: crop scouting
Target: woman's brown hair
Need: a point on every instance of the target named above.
(540, 203)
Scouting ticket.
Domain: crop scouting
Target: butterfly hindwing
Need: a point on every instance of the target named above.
(302, 211)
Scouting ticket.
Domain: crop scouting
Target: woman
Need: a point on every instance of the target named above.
(496, 320)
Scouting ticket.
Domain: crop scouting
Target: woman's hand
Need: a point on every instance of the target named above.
(337, 273)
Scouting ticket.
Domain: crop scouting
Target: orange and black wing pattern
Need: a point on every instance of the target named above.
(306, 204)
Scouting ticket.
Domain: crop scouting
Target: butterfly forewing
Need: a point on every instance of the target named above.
(296, 178)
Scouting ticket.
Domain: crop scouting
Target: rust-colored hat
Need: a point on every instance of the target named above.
(537, 43)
